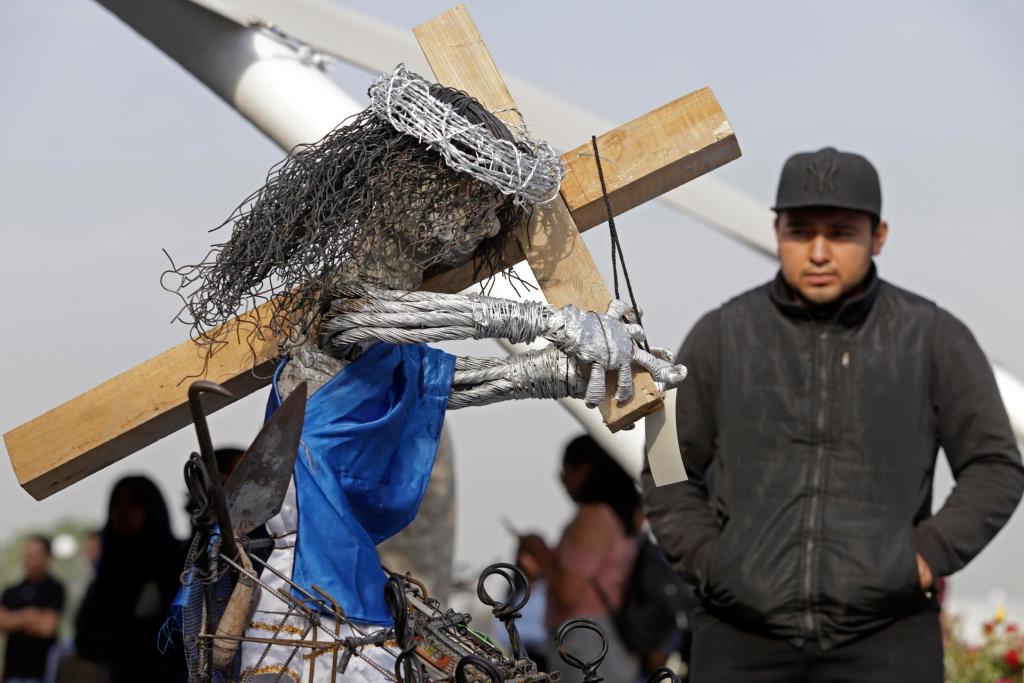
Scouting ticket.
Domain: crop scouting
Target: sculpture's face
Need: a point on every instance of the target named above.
(407, 257)
(441, 227)
(461, 236)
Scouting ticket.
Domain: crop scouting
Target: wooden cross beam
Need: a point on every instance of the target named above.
(555, 250)
(642, 159)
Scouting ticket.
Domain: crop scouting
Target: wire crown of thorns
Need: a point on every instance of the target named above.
(425, 176)
(528, 170)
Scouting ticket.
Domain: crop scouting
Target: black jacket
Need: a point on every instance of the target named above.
(810, 437)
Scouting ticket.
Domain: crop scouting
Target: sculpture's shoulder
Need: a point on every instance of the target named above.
(307, 363)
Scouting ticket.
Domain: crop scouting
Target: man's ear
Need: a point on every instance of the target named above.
(879, 237)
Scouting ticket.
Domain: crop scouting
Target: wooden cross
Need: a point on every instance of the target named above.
(642, 159)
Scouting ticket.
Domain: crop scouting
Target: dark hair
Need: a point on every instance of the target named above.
(606, 482)
(145, 493)
(227, 459)
(43, 541)
(150, 544)
(110, 627)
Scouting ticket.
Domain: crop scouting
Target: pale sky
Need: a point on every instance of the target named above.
(110, 152)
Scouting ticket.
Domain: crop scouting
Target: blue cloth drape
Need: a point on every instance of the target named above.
(368, 445)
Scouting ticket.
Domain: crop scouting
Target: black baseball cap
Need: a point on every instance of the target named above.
(831, 178)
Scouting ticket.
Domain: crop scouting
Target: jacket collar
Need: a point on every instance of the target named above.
(846, 312)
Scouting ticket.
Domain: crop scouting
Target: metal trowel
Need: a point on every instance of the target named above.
(256, 489)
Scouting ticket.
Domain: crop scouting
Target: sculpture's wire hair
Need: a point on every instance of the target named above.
(365, 204)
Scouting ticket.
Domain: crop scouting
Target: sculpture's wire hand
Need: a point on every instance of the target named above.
(660, 363)
(608, 342)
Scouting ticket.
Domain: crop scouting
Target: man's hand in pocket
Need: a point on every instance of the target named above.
(924, 572)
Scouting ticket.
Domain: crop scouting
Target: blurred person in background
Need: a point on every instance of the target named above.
(92, 546)
(30, 615)
(64, 665)
(128, 602)
(809, 427)
(228, 458)
(587, 571)
(532, 625)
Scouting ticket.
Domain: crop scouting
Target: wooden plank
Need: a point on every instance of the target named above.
(136, 408)
(649, 156)
(458, 57)
(688, 137)
(555, 251)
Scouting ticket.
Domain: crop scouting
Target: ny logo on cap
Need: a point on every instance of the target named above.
(822, 170)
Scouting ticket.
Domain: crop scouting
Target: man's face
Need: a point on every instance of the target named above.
(35, 559)
(826, 253)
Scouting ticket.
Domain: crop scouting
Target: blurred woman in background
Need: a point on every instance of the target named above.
(137, 577)
(587, 571)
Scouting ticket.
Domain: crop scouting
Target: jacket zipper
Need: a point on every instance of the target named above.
(812, 516)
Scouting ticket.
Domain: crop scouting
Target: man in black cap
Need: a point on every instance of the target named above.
(809, 427)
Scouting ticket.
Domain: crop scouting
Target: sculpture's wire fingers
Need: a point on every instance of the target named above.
(664, 354)
(595, 386)
(636, 332)
(633, 315)
(663, 372)
(625, 387)
(617, 308)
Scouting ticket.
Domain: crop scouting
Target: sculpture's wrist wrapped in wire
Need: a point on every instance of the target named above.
(585, 344)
